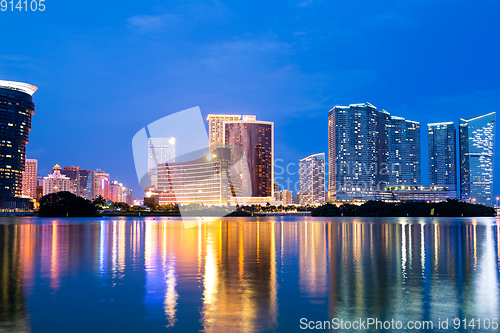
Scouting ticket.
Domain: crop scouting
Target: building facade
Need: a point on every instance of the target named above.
(160, 150)
(477, 146)
(73, 173)
(353, 139)
(369, 149)
(257, 140)
(101, 184)
(204, 181)
(287, 197)
(85, 184)
(16, 110)
(127, 196)
(56, 182)
(403, 152)
(216, 128)
(312, 179)
(115, 191)
(442, 155)
(30, 178)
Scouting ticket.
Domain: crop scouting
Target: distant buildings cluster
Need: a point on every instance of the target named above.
(87, 184)
(373, 155)
(20, 184)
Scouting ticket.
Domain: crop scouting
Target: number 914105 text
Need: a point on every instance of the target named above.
(22, 5)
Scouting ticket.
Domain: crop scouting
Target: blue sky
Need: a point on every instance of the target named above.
(107, 69)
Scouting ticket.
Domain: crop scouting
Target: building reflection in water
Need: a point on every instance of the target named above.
(414, 269)
(227, 272)
(13, 312)
(239, 276)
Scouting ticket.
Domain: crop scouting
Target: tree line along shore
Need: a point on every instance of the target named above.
(66, 204)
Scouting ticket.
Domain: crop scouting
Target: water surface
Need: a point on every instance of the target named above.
(243, 275)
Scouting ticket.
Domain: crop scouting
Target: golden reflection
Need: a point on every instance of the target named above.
(239, 277)
(313, 260)
(360, 269)
(27, 253)
(55, 257)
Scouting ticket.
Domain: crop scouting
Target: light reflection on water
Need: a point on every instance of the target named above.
(149, 275)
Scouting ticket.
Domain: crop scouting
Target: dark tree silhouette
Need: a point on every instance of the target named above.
(99, 201)
(450, 208)
(65, 204)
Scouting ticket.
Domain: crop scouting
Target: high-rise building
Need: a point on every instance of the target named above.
(115, 191)
(353, 148)
(30, 178)
(16, 110)
(101, 184)
(81, 181)
(56, 182)
(160, 150)
(287, 197)
(442, 155)
(369, 150)
(477, 146)
(277, 193)
(205, 180)
(127, 196)
(312, 179)
(257, 140)
(73, 173)
(403, 152)
(216, 128)
(85, 184)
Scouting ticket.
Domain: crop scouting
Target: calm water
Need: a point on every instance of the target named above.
(243, 275)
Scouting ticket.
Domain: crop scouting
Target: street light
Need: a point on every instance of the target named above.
(497, 202)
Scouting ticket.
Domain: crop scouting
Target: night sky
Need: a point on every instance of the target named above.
(106, 69)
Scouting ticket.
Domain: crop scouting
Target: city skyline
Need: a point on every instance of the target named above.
(360, 136)
(391, 134)
(101, 81)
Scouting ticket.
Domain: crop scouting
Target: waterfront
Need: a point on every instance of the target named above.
(243, 274)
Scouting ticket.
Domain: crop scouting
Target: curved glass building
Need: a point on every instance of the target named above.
(16, 109)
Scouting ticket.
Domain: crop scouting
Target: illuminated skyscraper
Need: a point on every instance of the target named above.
(73, 173)
(115, 191)
(86, 183)
(127, 196)
(312, 179)
(353, 142)
(56, 182)
(370, 149)
(205, 180)
(16, 110)
(81, 181)
(442, 155)
(216, 128)
(29, 178)
(101, 184)
(477, 146)
(257, 140)
(160, 150)
(403, 152)
(287, 197)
